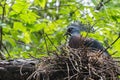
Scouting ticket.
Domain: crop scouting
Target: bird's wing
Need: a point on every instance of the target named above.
(94, 44)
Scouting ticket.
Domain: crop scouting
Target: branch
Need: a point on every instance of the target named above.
(10, 9)
(101, 4)
(2, 20)
(51, 42)
(111, 44)
(45, 42)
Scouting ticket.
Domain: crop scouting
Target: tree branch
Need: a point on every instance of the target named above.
(2, 20)
(111, 44)
(101, 4)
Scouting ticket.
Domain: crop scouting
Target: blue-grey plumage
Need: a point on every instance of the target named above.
(77, 41)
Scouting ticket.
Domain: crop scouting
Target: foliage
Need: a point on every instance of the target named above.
(34, 27)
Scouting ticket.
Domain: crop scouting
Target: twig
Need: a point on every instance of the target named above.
(71, 61)
(51, 42)
(110, 44)
(95, 24)
(45, 42)
(2, 20)
(10, 9)
(113, 42)
(31, 56)
(101, 4)
(2, 55)
(68, 70)
(6, 50)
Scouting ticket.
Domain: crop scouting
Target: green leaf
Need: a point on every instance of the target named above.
(27, 38)
(29, 17)
(1, 11)
(38, 27)
(9, 39)
(42, 3)
(20, 6)
(19, 26)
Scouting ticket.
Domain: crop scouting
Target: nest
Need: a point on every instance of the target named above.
(77, 64)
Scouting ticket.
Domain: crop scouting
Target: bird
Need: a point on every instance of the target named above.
(76, 40)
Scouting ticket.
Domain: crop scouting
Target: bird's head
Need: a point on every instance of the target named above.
(74, 29)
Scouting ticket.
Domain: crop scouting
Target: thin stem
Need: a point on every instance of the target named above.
(45, 43)
(51, 42)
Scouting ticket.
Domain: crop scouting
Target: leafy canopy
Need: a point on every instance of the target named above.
(36, 27)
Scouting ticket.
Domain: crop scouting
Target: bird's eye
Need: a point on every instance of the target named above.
(70, 29)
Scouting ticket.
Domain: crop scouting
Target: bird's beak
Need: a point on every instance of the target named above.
(67, 34)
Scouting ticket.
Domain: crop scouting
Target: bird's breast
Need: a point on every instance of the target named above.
(75, 42)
